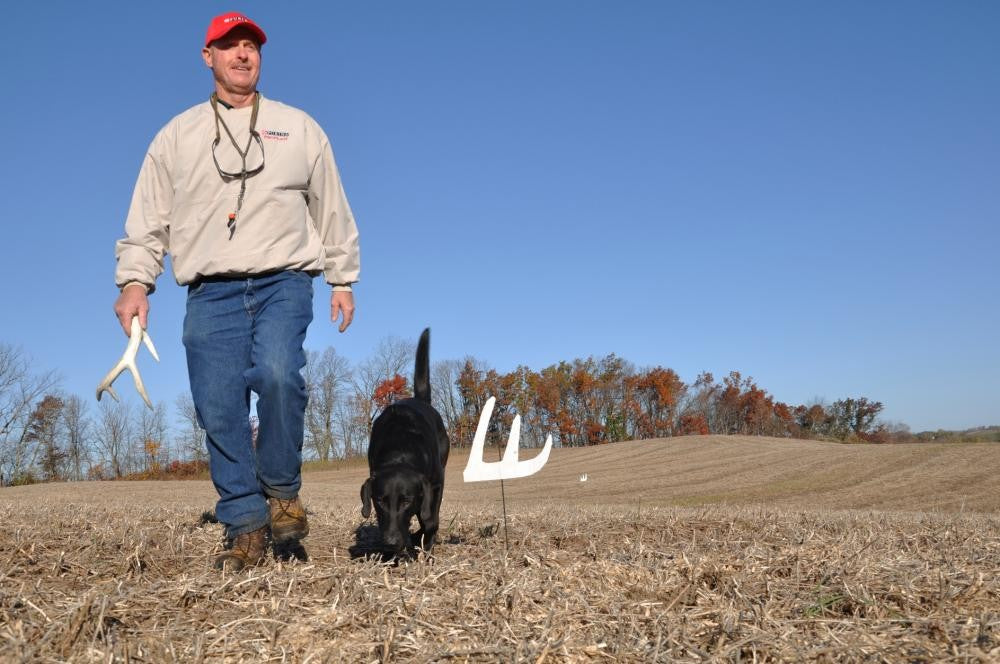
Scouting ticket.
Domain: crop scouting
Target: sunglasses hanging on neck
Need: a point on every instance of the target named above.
(243, 173)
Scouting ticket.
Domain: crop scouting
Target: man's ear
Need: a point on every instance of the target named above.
(427, 505)
(366, 498)
(206, 55)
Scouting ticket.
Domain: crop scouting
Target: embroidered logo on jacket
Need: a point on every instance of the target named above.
(274, 135)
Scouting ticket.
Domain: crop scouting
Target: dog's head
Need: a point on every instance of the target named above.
(398, 493)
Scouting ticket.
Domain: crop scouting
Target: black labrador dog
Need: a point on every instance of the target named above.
(406, 460)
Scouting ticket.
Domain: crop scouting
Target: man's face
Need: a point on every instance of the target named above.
(235, 61)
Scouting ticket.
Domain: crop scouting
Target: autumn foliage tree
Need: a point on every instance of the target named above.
(389, 390)
(810, 420)
(43, 430)
(151, 448)
(653, 399)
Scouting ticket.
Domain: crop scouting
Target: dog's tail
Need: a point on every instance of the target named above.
(422, 370)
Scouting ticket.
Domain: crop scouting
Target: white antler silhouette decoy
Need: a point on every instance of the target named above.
(508, 467)
(128, 362)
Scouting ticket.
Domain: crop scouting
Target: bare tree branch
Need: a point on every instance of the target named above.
(326, 377)
(20, 389)
(191, 441)
(77, 429)
(392, 356)
(114, 430)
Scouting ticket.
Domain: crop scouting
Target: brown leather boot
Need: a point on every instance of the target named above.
(288, 520)
(244, 550)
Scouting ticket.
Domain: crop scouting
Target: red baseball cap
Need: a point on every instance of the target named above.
(222, 24)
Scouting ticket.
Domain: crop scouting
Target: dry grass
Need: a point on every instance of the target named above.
(119, 572)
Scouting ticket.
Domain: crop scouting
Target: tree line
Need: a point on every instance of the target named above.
(47, 434)
(604, 400)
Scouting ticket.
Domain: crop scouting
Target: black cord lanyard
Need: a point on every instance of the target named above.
(244, 173)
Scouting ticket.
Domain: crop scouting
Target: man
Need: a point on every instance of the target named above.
(244, 193)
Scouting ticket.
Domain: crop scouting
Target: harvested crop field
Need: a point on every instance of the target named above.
(688, 549)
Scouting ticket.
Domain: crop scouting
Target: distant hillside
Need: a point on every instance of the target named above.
(732, 470)
(987, 434)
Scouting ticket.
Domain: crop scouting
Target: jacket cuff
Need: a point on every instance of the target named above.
(145, 287)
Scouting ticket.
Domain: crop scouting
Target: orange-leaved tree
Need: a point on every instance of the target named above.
(389, 390)
(654, 398)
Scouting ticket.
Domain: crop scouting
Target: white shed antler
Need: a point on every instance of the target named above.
(128, 362)
(509, 467)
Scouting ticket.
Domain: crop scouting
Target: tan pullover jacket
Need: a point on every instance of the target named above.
(295, 214)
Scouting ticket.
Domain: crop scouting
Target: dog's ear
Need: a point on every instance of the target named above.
(427, 505)
(366, 498)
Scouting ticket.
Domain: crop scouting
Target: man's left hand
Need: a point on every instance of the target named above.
(342, 302)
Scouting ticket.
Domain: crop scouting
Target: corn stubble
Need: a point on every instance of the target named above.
(580, 583)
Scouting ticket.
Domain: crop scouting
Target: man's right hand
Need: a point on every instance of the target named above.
(131, 303)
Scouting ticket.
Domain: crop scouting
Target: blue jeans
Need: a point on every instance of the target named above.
(246, 334)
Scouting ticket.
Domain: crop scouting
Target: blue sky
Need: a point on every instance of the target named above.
(804, 192)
